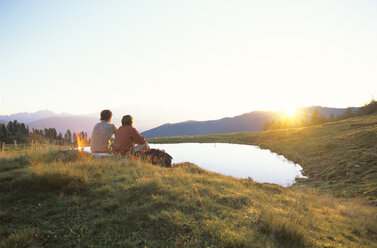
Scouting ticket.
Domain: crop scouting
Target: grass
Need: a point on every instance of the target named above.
(61, 198)
(339, 157)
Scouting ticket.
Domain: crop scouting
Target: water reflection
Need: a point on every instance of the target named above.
(240, 161)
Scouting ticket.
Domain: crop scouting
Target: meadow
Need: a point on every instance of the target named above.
(338, 157)
(58, 197)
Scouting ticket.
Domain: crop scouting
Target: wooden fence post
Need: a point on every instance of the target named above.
(2, 146)
(15, 144)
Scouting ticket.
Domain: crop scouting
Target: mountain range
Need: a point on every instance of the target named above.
(247, 122)
(46, 119)
(30, 117)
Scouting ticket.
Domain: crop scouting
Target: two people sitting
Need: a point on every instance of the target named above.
(126, 137)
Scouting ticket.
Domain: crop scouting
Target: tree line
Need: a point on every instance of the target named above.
(15, 131)
(318, 118)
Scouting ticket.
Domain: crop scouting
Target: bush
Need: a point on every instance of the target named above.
(368, 108)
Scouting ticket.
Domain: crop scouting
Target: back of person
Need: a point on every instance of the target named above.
(102, 132)
(126, 137)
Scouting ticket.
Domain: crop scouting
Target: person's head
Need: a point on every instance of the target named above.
(106, 115)
(127, 120)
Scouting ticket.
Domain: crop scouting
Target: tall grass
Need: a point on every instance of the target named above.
(67, 199)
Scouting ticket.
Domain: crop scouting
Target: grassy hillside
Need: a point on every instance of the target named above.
(56, 198)
(339, 157)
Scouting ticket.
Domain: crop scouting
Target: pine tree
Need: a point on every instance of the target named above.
(286, 123)
(347, 114)
(332, 117)
(74, 137)
(3, 133)
(305, 119)
(68, 137)
(296, 122)
(272, 125)
(277, 125)
(266, 126)
(317, 118)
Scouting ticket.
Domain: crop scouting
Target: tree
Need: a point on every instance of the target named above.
(332, 117)
(10, 127)
(368, 109)
(83, 138)
(272, 125)
(305, 119)
(277, 125)
(50, 133)
(286, 123)
(3, 133)
(296, 122)
(347, 114)
(37, 136)
(60, 137)
(68, 137)
(317, 118)
(74, 136)
(11, 131)
(266, 126)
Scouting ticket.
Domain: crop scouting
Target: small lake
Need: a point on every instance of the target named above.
(240, 161)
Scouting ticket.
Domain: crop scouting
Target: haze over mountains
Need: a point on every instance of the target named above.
(146, 119)
(46, 119)
(30, 117)
(248, 122)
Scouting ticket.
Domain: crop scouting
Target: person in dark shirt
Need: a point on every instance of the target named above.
(126, 137)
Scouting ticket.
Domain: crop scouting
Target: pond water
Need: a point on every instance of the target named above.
(240, 161)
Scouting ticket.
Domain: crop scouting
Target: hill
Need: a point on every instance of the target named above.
(325, 110)
(339, 157)
(60, 198)
(249, 122)
(243, 123)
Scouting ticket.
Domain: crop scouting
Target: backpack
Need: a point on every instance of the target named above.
(155, 156)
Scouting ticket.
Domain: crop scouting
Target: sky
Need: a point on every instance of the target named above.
(186, 60)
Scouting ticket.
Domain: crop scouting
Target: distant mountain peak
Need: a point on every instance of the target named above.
(27, 117)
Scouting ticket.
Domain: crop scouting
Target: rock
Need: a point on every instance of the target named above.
(373, 203)
(357, 165)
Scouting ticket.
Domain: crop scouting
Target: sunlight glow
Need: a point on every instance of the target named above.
(290, 112)
(80, 144)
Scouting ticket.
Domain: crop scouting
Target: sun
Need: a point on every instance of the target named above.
(289, 112)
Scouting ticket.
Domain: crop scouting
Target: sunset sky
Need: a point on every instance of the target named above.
(199, 59)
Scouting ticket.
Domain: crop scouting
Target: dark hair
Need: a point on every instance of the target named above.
(127, 120)
(106, 115)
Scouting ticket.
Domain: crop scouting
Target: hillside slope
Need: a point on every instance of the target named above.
(340, 157)
(55, 198)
